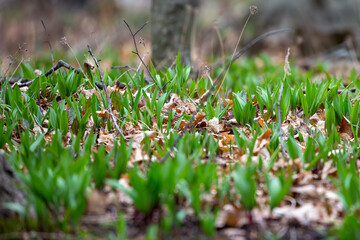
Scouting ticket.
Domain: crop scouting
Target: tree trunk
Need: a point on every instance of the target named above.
(171, 27)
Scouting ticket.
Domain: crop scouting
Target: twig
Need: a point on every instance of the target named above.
(136, 52)
(49, 43)
(123, 66)
(60, 64)
(281, 135)
(221, 43)
(353, 90)
(249, 45)
(106, 92)
(286, 73)
(236, 46)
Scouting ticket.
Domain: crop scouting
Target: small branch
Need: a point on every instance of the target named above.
(136, 52)
(249, 45)
(167, 83)
(59, 65)
(124, 66)
(287, 72)
(139, 28)
(106, 92)
(279, 120)
(49, 43)
(353, 90)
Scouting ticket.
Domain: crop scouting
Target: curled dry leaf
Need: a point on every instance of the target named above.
(261, 145)
(173, 102)
(213, 125)
(345, 129)
(104, 113)
(107, 139)
(138, 138)
(328, 169)
(88, 93)
(231, 216)
(95, 202)
(138, 155)
(198, 118)
(317, 121)
(38, 72)
(261, 122)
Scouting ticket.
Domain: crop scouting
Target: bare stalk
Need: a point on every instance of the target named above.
(286, 73)
(49, 43)
(136, 52)
(60, 64)
(106, 93)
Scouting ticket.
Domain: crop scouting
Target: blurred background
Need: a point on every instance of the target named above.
(323, 29)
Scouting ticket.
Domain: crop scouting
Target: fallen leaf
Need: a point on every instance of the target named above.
(345, 129)
(213, 125)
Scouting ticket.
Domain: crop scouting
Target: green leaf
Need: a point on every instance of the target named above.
(294, 149)
(27, 71)
(354, 115)
(37, 142)
(330, 119)
(304, 104)
(64, 123)
(245, 184)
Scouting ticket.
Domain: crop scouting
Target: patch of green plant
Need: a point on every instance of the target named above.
(245, 183)
(244, 111)
(278, 186)
(55, 182)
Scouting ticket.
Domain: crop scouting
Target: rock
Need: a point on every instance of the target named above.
(9, 188)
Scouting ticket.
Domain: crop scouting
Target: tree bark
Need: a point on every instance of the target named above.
(171, 30)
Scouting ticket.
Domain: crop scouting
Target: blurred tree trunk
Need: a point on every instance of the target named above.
(171, 27)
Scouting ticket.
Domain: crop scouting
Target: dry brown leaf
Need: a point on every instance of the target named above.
(89, 92)
(173, 102)
(328, 169)
(182, 124)
(107, 139)
(96, 202)
(305, 214)
(231, 216)
(138, 155)
(104, 113)
(198, 118)
(213, 125)
(345, 129)
(306, 190)
(261, 122)
(138, 138)
(261, 145)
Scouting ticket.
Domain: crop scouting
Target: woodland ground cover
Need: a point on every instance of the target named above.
(188, 162)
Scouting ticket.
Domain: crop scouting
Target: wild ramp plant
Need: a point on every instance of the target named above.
(202, 165)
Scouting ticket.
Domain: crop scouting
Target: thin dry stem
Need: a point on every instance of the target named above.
(136, 52)
(49, 43)
(286, 73)
(106, 93)
(65, 42)
(221, 44)
(234, 52)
